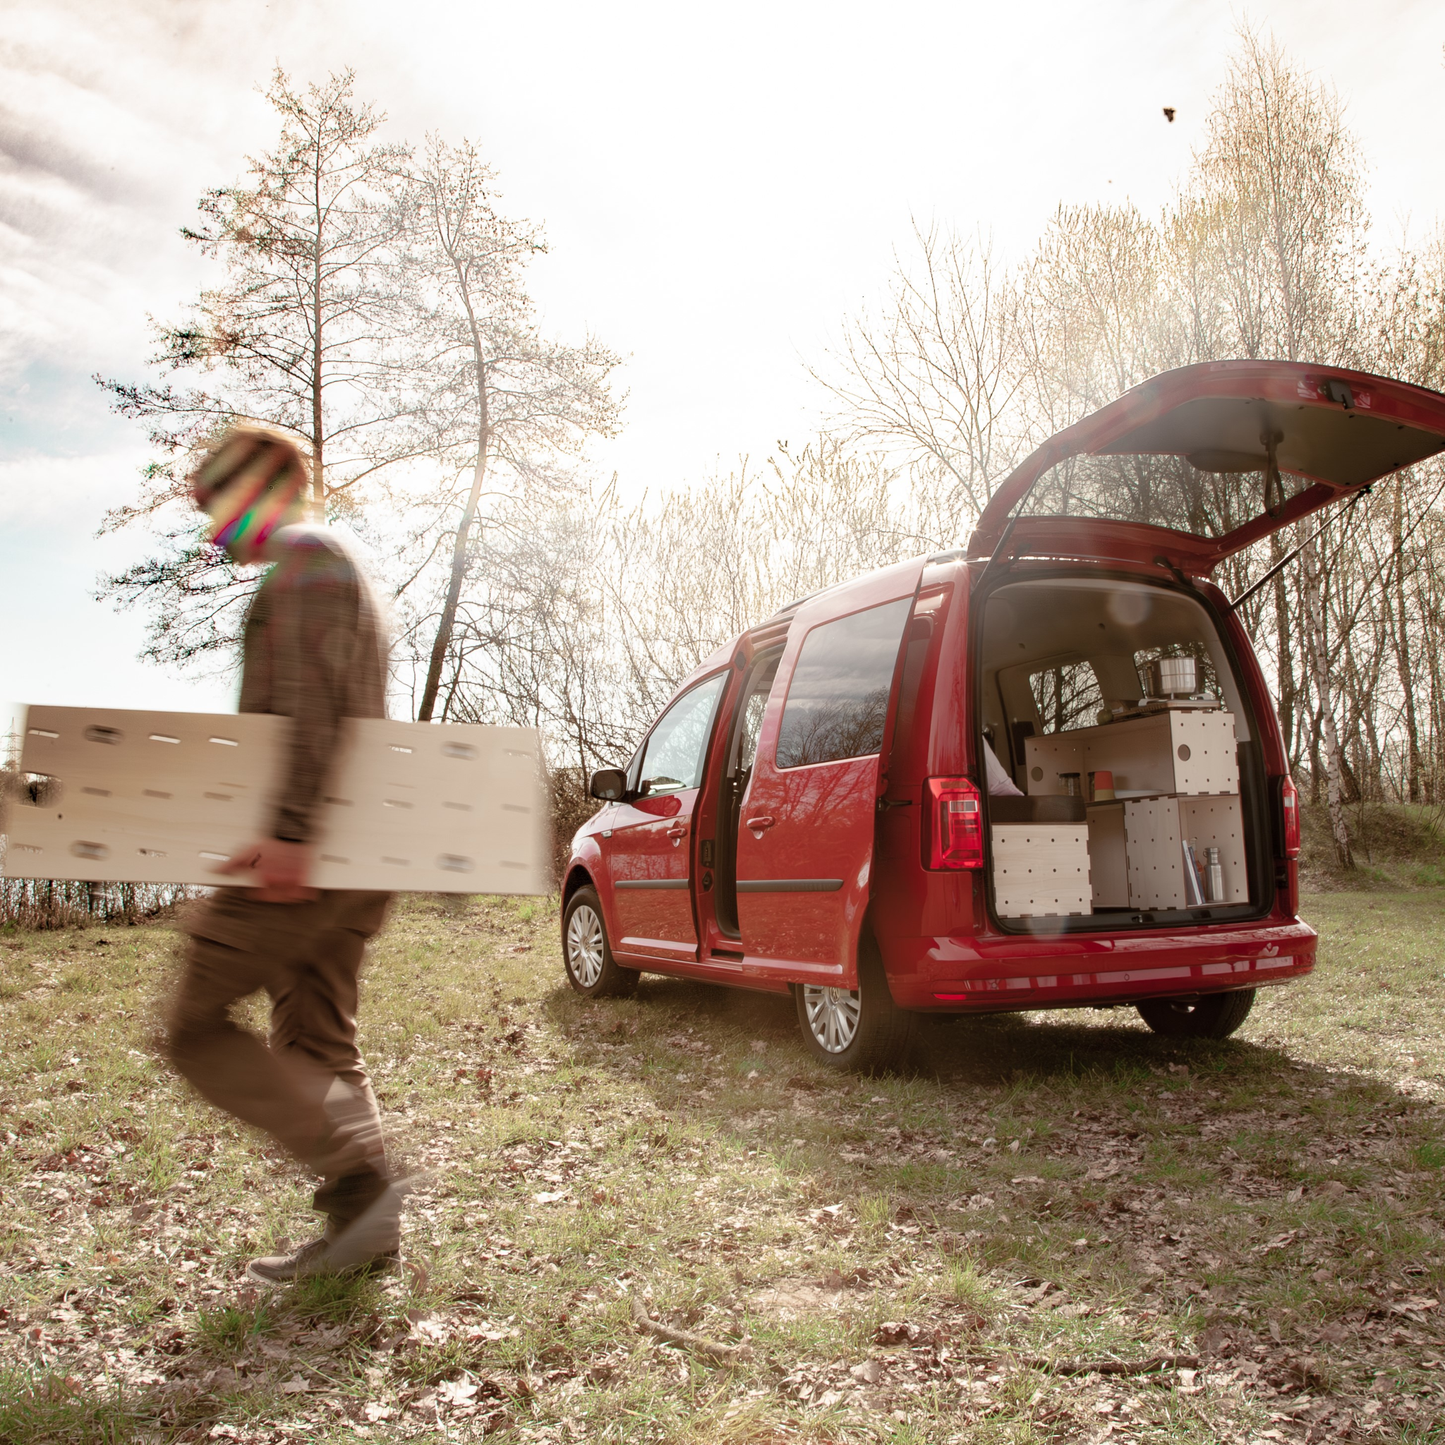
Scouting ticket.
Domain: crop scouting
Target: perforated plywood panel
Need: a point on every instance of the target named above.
(1188, 752)
(1218, 823)
(1203, 752)
(148, 797)
(1155, 832)
(1041, 868)
(1048, 756)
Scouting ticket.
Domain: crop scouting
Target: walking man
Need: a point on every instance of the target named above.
(314, 651)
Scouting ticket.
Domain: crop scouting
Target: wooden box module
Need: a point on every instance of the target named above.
(1040, 868)
(1136, 850)
(1178, 751)
(150, 797)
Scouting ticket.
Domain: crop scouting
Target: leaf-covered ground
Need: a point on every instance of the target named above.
(912, 1259)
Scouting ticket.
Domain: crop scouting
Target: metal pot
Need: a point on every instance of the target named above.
(1173, 677)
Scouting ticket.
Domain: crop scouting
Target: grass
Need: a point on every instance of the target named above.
(1396, 846)
(900, 1254)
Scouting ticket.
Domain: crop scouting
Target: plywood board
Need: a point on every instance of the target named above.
(1047, 757)
(1218, 823)
(1156, 857)
(149, 797)
(1108, 857)
(1156, 830)
(1040, 868)
(1167, 753)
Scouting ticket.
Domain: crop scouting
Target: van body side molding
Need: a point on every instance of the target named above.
(789, 885)
(651, 883)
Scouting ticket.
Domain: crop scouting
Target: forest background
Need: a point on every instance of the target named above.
(372, 297)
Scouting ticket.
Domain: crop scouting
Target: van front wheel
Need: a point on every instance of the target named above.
(860, 1029)
(586, 953)
(1215, 1016)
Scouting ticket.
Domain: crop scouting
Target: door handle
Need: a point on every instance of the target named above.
(758, 824)
(678, 830)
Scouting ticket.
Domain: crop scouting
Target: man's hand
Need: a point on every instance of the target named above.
(282, 868)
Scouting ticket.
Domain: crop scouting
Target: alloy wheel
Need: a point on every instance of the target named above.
(832, 1015)
(584, 945)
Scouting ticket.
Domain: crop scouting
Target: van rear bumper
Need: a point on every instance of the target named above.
(996, 974)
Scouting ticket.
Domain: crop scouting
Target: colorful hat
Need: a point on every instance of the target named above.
(249, 481)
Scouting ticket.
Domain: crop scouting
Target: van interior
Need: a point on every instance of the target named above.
(1129, 788)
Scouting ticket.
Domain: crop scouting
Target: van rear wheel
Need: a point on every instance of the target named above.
(586, 953)
(859, 1030)
(1215, 1016)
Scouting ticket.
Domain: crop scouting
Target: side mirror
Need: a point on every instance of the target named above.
(609, 784)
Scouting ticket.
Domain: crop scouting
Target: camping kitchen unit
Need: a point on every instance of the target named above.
(1040, 772)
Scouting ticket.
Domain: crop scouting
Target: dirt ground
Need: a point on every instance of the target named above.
(1057, 1227)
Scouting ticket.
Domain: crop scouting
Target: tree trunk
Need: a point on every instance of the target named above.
(318, 474)
(454, 593)
(1315, 647)
(1284, 652)
(469, 512)
(1429, 621)
(1402, 650)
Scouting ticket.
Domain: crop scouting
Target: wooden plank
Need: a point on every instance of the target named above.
(150, 797)
(1219, 823)
(1048, 756)
(1156, 855)
(1156, 830)
(1108, 856)
(1041, 869)
(1163, 754)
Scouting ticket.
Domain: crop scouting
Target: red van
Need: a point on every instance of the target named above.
(1043, 771)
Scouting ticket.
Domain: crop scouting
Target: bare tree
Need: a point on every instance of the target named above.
(488, 388)
(929, 382)
(294, 334)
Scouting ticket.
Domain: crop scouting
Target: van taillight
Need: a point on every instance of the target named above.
(956, 840)
(1289, 810)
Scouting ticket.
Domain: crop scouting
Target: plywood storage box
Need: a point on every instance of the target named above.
(1190, 751)
(146, 797)
(1041, 868)
(1156, 830)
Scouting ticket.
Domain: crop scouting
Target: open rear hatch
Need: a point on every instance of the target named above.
(1114, 707)
(1195, 464)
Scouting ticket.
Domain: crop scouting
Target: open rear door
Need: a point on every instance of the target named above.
(1195, 464)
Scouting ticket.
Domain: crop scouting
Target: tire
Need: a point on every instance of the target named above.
(586, 953)
(857, 1030)
(1215, 1016)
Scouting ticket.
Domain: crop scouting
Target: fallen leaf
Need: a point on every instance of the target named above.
(455, 1392)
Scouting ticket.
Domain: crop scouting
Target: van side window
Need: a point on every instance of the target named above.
(751, 723)
(672, 758)
(1067, 696)
(838, 697)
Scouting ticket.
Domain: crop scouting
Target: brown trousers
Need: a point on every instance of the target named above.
(308, 1088)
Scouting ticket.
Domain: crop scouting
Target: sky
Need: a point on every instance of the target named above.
(720, 187)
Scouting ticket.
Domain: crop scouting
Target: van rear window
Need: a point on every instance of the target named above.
(838, 697)
(1067, 696)
(1165, 491)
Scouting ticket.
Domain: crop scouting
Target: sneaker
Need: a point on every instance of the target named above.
(320, 1256)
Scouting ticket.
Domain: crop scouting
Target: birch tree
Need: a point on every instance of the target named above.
(294, 333)
(499, 404)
